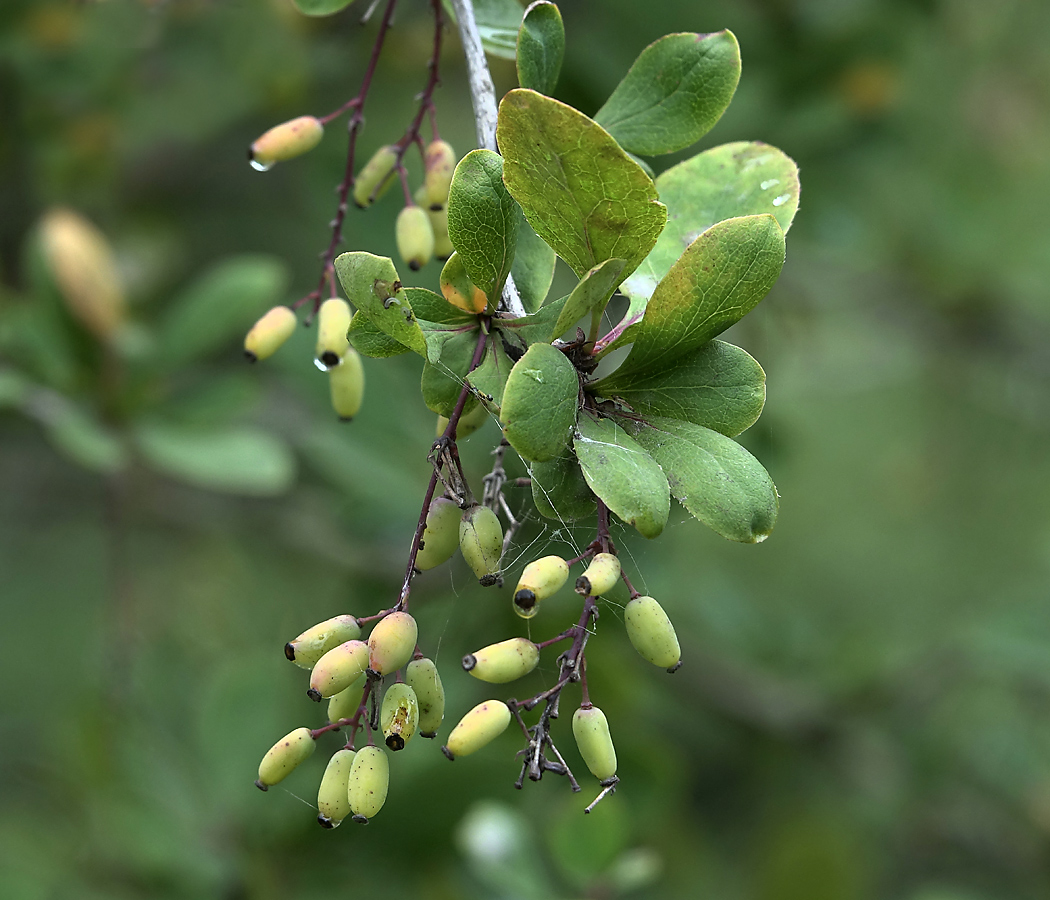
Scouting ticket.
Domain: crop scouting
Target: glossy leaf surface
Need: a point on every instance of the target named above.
(541, 47)
(674, 93)
(721, 276)
(714, 478)
(744, 178)
(623, 474)
(539, 403)
(482, 220)
(718, 385)
(579, 190)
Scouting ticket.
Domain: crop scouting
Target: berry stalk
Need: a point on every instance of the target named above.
(343, 190)
(443, 450)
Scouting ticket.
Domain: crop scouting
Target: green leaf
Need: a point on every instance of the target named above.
(34, 336)
(721, 276)
(718, 386)
(372, 285)
(539, 403)
(77, 433)
(498, 23)
(436, 335)
(442, 380)
(627, 479)
(234, 460)
(458, 287)
(581, 193)
(434, 308)
(559, 489)
(624, 330)
(648, 169)
(536, 328)
(220, 307)
(439, 319)
(533, 268)
(714, 478)
(674, 93)
(591, 294)
(482, 222)
(321, 7)
(541, 47)
(745, 178)
(14, 388)
(490, 377)
(212, 400)
(366, 338)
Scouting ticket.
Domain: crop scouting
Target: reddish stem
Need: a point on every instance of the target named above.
(426, 99)
(630, 587)
(587, 554)
(350, 104)
(565, 635)
(354, 722)
(353, 128)
(604, 537)
(448, 436)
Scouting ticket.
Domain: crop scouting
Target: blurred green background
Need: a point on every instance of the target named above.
(864, 709)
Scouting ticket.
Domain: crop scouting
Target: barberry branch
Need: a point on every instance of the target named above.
(357, 104)
(426, 99)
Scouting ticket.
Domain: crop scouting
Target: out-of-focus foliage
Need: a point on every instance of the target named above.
(864, 709)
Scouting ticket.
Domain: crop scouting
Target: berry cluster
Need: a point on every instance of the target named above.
(421, 230)
(350, 674)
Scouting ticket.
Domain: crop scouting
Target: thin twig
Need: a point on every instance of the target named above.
(327, 278)
(447, 440)
(426, 101)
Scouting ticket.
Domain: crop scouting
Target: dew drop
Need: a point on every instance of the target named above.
(320, 365)
(260, 167)
(781, 200)
(768, 183)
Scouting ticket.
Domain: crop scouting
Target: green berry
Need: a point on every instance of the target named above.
(269, 333)
(481, 543)
(315, 642)
(503, 662)
(284, 756)
(540, 579)
(600, 576)
(441, 535)
(652, 633)
(391, 643)
(399, 716)
(368, 783)
(483, 724)
(286, 141)
(422, 676)
(338, 669)
(591, 730)
(333, 804)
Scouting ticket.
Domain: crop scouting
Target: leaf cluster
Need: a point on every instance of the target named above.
(140, 392)
(692, 251)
